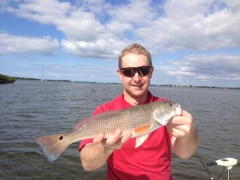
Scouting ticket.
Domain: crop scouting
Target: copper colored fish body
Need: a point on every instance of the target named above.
(139, 120)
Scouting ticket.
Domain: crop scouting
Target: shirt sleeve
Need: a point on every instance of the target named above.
(84, 143)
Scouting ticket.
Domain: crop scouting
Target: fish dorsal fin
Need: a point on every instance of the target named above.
(140, 140)
(142, 129)
(94, 117)
(82, 122)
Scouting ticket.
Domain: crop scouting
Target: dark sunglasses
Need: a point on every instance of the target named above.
(141, 70)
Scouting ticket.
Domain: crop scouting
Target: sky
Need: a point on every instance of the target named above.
(192, 42)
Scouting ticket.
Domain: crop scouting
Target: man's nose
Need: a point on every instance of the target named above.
(136, 76)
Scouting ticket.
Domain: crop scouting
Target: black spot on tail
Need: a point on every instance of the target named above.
(61, 138)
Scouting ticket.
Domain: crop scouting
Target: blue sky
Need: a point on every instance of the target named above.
(192, 42)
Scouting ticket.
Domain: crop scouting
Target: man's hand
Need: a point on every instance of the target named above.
(95, 155)
(113, 142)
(181, 126)
(185, 136)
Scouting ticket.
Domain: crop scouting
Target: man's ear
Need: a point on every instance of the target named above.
(151, 73)
(120, 75)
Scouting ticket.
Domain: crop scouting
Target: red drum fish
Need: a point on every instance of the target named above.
(140, 120)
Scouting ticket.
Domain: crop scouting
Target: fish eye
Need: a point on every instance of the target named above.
(170, 104)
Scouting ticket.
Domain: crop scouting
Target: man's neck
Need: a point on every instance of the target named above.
(133, 100)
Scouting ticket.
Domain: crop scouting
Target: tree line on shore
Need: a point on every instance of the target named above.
(4, 79)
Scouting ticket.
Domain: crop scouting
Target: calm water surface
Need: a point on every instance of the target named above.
(30, 109)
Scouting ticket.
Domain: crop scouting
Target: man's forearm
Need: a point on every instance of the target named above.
(94, 156)
(186, 146)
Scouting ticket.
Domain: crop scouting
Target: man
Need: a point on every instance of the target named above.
(152, 160)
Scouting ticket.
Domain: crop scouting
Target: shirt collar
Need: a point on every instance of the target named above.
(150, 98)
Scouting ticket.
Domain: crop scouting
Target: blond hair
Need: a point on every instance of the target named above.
(136, 49)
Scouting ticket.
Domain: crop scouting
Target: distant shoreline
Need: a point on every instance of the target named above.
(4, 79)
(190, 86)
(162, 85)
(34, 79)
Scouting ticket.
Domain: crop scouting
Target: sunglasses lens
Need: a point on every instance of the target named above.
(130, 72)
(127, 72)
(144, 71)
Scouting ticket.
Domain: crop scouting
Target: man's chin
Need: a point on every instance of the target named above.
(138, 93)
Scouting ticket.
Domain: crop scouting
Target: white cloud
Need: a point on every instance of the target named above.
(45, 12)
(193, 25)
(174, 25)
(202, 69)
(219, 66)
(101, 29)
(139, 13)
(99, 48)
(80, 26)
(17, 44)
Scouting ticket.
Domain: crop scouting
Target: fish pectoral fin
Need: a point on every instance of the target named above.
(143, 129)
(140, 140)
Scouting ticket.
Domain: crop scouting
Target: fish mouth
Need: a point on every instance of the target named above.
(178, 110)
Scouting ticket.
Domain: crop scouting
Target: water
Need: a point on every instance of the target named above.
(30, 109)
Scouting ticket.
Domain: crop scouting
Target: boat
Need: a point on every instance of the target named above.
(227, 163)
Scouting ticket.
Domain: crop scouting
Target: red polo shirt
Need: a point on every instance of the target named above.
(152, 160)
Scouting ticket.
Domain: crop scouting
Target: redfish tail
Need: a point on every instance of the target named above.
(53, 145)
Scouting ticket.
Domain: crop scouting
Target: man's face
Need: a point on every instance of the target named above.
(137, 85)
